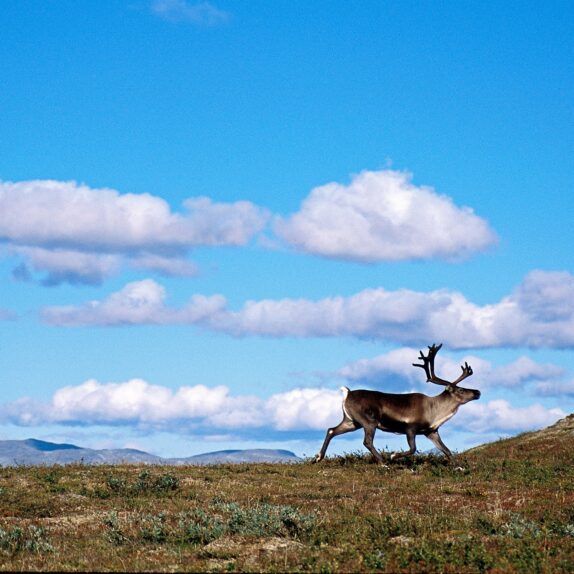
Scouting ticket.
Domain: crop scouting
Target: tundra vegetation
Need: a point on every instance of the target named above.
(510, 510)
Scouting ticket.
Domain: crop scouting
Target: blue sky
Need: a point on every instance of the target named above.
(214, 214)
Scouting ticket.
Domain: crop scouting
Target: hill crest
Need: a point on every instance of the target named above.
(548, 438)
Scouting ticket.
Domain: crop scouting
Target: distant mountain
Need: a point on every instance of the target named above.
(239, 456)
(32, 452)
(47, 446)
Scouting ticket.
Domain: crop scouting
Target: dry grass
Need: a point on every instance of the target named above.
(510, 510)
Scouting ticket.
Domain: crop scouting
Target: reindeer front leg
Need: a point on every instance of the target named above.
(437, 441)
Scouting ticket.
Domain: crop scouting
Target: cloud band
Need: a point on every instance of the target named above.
(538, 313)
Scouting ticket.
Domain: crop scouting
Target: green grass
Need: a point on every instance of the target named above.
(510, 510)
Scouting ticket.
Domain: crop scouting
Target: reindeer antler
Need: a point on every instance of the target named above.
(466, 372)
(428, 366)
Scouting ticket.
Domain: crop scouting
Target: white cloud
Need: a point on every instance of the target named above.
(395, 368)
(139, 403)
(406, 316)
(370, 313)
(382, 216)
(69, 215)
(200, 13)
(547, 296)
(402, 316)
(500, 416)
(559, 389)
(391, 370)
(521, 371)
(302, 409)
(78, 234)
(64, 265)
(140, 302)
(74, 232)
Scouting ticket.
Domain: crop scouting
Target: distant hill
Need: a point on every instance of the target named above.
(32, 452)
(239, 456)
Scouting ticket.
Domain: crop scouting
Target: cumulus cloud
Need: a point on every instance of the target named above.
(383, 216)
(500, 416)
(302, 409)
(559, 389)
(140, 404)
(138, 303)
(394, 369)
(522, 370)
(77, 233)
(199, 13)
(402, 316)
(66, 266)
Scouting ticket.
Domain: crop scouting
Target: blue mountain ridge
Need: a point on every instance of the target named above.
(48, 446)
(32, 452)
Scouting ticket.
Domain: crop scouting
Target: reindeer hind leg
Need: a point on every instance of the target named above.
(368, 442)
(346, 425)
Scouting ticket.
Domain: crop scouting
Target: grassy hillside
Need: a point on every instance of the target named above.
(510, 510)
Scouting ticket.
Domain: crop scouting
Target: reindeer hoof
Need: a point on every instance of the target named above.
(318, 458)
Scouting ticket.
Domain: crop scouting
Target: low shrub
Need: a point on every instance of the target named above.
(30, 539)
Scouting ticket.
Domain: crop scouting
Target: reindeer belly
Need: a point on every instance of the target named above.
(399, 414)
(394, 425)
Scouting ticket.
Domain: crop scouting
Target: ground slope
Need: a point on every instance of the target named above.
(552, 439)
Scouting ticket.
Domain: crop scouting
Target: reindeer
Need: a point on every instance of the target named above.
(410, 414)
